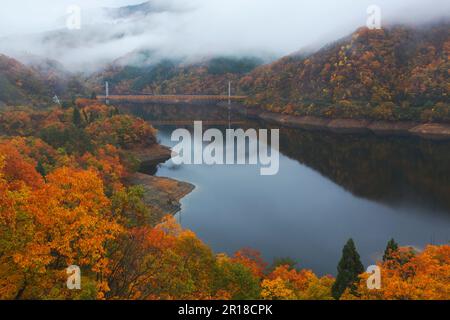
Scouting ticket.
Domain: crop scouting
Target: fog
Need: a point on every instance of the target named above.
(191, 29)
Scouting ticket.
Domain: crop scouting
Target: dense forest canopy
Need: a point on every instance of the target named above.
(210, 76)
(63, 201)
(63, 169)
(395, 73)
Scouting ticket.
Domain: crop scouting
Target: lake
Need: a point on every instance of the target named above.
(329, 188)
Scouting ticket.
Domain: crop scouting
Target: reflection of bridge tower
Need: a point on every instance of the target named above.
(107, 92)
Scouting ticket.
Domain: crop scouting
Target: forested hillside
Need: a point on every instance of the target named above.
(36, 82)
(63, 202)
(397, 73)
(171, 77)
(18, 83)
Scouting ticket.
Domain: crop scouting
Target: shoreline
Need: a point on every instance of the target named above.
(431, 131)
(156, 153)
(162, 195)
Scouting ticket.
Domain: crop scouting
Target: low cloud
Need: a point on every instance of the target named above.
(192, 28)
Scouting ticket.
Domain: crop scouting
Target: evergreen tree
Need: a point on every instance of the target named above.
(76, 117)
(93, 95)
(40, 168)
(391, 247)
(349, 268)
(65, 105)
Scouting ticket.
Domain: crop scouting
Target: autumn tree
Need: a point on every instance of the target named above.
(285, 283)
(235, 281)
(45, 229)
(391, 248)
(251, 259)
(122, 131)
(410, 276)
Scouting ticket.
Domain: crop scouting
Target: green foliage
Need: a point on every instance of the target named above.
(349, 268)
(219, 66)
(76, 117)
(72, 140)
(129, 204)
(66, 104)
(40, 168)
(173, 77)
(238, 280)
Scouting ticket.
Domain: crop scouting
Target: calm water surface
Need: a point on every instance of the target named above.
(329, 188)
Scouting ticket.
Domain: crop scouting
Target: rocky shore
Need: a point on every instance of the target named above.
(434, 131)
(161, 195)
(154, 154)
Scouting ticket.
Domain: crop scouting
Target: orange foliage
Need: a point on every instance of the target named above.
(251, 259)
(285, 283)
(17, 170)
(123, 131)
(410, 276)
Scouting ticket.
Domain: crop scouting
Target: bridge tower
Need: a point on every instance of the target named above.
(107, 92)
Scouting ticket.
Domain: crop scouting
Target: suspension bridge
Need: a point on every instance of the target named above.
(173, 98)
(188, 99)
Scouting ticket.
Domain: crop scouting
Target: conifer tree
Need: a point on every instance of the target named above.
(391, 247)
(40, 168)
(349, 268)
(76, 117)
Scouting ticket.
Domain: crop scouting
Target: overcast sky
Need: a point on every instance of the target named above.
(276, 27)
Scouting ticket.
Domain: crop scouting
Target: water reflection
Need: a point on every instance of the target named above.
(390, 170)
(330, 187)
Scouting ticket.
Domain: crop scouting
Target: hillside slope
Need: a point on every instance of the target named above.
(209, 76)
(398, 73)
(19, 84)
(36, 80)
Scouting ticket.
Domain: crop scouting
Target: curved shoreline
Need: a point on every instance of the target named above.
(432, 131)
(162, 195)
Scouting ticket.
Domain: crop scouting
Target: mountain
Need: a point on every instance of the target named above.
(396, 73)
(134, 11)
(35, 80)
(19, 84)
(104, 34)
(209, 76)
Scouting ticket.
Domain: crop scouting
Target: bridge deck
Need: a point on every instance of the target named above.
(175, 98)
(191, 122)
